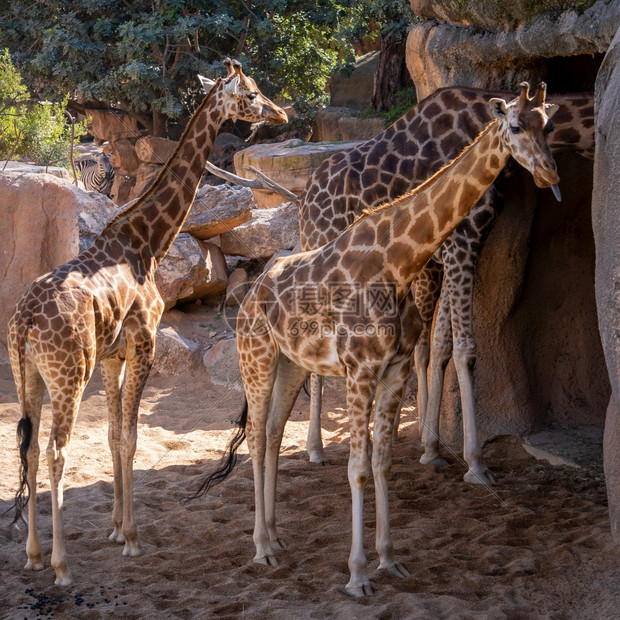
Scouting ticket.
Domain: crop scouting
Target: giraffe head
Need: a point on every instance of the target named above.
(242, 98)
(524, 126)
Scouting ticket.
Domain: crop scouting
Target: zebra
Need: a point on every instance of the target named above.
(96, 173)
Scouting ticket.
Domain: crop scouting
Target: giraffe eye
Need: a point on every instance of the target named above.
(515, 129)
(549, 127)
(252, 96)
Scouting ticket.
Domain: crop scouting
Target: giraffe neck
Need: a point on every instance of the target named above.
(401, 237)
(153, 221)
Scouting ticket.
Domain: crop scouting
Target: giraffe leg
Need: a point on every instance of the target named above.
(34, 400)
(259, 373)
(441, 352)
(138, 365)
(360, 392)
(112, 371)
(314, 443)
(65, 406)
(427, 289)
(288, 382)
(390, 393)
(464, 354)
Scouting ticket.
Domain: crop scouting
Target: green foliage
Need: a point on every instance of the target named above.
(36, 130)
(144, 56)
(405, 100)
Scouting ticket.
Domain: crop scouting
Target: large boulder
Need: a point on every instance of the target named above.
(175, 354)
(191, 270)
(289, 163)
(218, 209)
(496, 15)
(221, 363)
(512, 49)
(39, 231)
(20, 166)
(354, 89)
(269, 231)
(154, 150)
(606, 224)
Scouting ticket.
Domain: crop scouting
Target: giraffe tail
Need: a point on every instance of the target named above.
(228, 461)
(24, 435)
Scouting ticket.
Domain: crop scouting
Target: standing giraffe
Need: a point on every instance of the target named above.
(403, 156)
(104, 306)
(346, 309)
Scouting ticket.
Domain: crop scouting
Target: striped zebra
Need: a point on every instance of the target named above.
(96, 173)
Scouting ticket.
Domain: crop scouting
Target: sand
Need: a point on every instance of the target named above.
(537, 545)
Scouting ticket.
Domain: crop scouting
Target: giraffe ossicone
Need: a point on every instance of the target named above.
(103, 306)
(382, 251)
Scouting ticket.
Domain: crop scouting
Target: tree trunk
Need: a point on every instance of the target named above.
(391, 75)
(159, 124)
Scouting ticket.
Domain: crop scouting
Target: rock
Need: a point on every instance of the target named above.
(357, 128)
(447, 55)
(124, 159)
(93, 218)
(122, 188)
(355, 90)
(268, 231)
(327, 123)
(191, 270)
(238, 286)
(154, 150)
(606, 227)
(109, 125)
(224, 149)
(145, 176)
(20, 166)
(174, 354)
(221, 364)
(496, 15)
(218, 209)
(289, 163)
(39, 231)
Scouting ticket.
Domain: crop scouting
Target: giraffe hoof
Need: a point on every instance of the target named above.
(359, 591)
(481, 477)
(63, 580)
(278, 543)
(318, 457)
(133, 551)
(433, 459)
(117, 536)
(396, 569)
(267, 560)
(34, 565)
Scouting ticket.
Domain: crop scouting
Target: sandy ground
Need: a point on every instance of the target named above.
(535, 546)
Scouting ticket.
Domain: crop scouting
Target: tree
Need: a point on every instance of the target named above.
(37, 130)
(142, 56)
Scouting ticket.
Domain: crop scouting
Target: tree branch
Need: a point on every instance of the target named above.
(260, 182)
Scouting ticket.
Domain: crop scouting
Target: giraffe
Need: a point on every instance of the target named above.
(346, 309)
(404, 155)
(104, 306)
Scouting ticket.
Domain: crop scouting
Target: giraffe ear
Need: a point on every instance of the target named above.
(551, 109)
(232, 87)
(207, 84)
(498, 107)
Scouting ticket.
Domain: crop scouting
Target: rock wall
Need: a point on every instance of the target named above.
(606, 224)
(39, 231)
(540, 359)
(497, 44)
